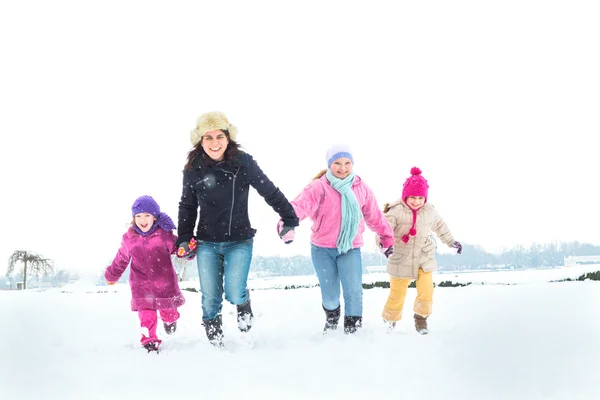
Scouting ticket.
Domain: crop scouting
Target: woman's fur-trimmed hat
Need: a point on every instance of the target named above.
(212, 121)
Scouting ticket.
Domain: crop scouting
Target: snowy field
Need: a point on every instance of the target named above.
(522, 338)
(498, 277)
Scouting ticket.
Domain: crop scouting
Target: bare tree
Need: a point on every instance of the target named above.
(32, 263)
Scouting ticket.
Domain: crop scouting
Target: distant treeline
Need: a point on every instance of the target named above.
(537, 256)
(472, 257)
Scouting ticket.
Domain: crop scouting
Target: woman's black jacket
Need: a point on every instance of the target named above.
(218, 192)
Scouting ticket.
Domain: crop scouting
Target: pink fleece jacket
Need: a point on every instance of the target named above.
(152, 277)
(322, 203)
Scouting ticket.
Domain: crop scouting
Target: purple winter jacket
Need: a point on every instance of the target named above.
(152, 276)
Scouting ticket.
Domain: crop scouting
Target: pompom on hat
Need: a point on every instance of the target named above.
(338, 151)
(212, 121)
(415, 186)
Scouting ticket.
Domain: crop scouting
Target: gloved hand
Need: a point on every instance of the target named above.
(386, 252)
(187, 249)
(457, 246)
(110, 283)
(286, 233)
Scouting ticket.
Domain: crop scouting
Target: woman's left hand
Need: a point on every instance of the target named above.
(286, 233)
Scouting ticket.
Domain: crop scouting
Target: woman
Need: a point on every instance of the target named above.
(339, 203)
(216, 180)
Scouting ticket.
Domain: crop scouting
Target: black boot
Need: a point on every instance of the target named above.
(332, 318)
(351, 324)
(244, 316)
(152, 346)
(214, 330)
(170, 328)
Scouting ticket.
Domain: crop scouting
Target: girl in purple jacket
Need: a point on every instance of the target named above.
(340, 203)
(147, 247)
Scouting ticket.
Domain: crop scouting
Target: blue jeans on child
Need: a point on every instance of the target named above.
(223, 267)
(332, 268)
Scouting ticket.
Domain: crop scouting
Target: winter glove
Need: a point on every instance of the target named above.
(386, 252)
(187, 249)
(457, 246)
(110, 283)
(286, 233)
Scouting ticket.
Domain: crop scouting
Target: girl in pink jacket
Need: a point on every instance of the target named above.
(339, 204)
(147, 247)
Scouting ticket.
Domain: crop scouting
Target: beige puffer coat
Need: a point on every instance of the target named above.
(419, 252)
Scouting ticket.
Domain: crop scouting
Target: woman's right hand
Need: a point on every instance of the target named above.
(187, 249)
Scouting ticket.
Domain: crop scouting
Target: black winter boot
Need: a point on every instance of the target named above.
(351, 324)
(244, 316)
(152, 346)
(214, 330)
(332, 317)
(170, 328)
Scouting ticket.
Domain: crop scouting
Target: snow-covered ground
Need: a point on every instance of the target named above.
(530, 340)
(501, 277)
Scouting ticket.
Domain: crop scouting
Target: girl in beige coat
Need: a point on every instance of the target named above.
(413, 220)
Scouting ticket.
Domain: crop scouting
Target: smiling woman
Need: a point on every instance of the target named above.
(216, 181)
(214, 144)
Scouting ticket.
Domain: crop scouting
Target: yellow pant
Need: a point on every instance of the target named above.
(398, 287)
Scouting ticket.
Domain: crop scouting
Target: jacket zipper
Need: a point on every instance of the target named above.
(232, 198)
(232, 202)
(150, 271)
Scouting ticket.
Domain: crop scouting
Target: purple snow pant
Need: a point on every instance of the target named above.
(149, 320)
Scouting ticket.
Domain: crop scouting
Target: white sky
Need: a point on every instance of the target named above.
(496, 102)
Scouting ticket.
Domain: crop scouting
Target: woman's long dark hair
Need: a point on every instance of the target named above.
(233, 148)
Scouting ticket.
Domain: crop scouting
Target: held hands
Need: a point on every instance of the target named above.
(286, 233)
(386, 252)
(457, 246)
(187, 249)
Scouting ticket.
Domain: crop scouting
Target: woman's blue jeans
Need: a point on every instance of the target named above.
(223, 268)
(333, 268)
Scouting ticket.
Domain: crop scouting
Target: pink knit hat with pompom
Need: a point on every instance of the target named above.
(416, 186)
